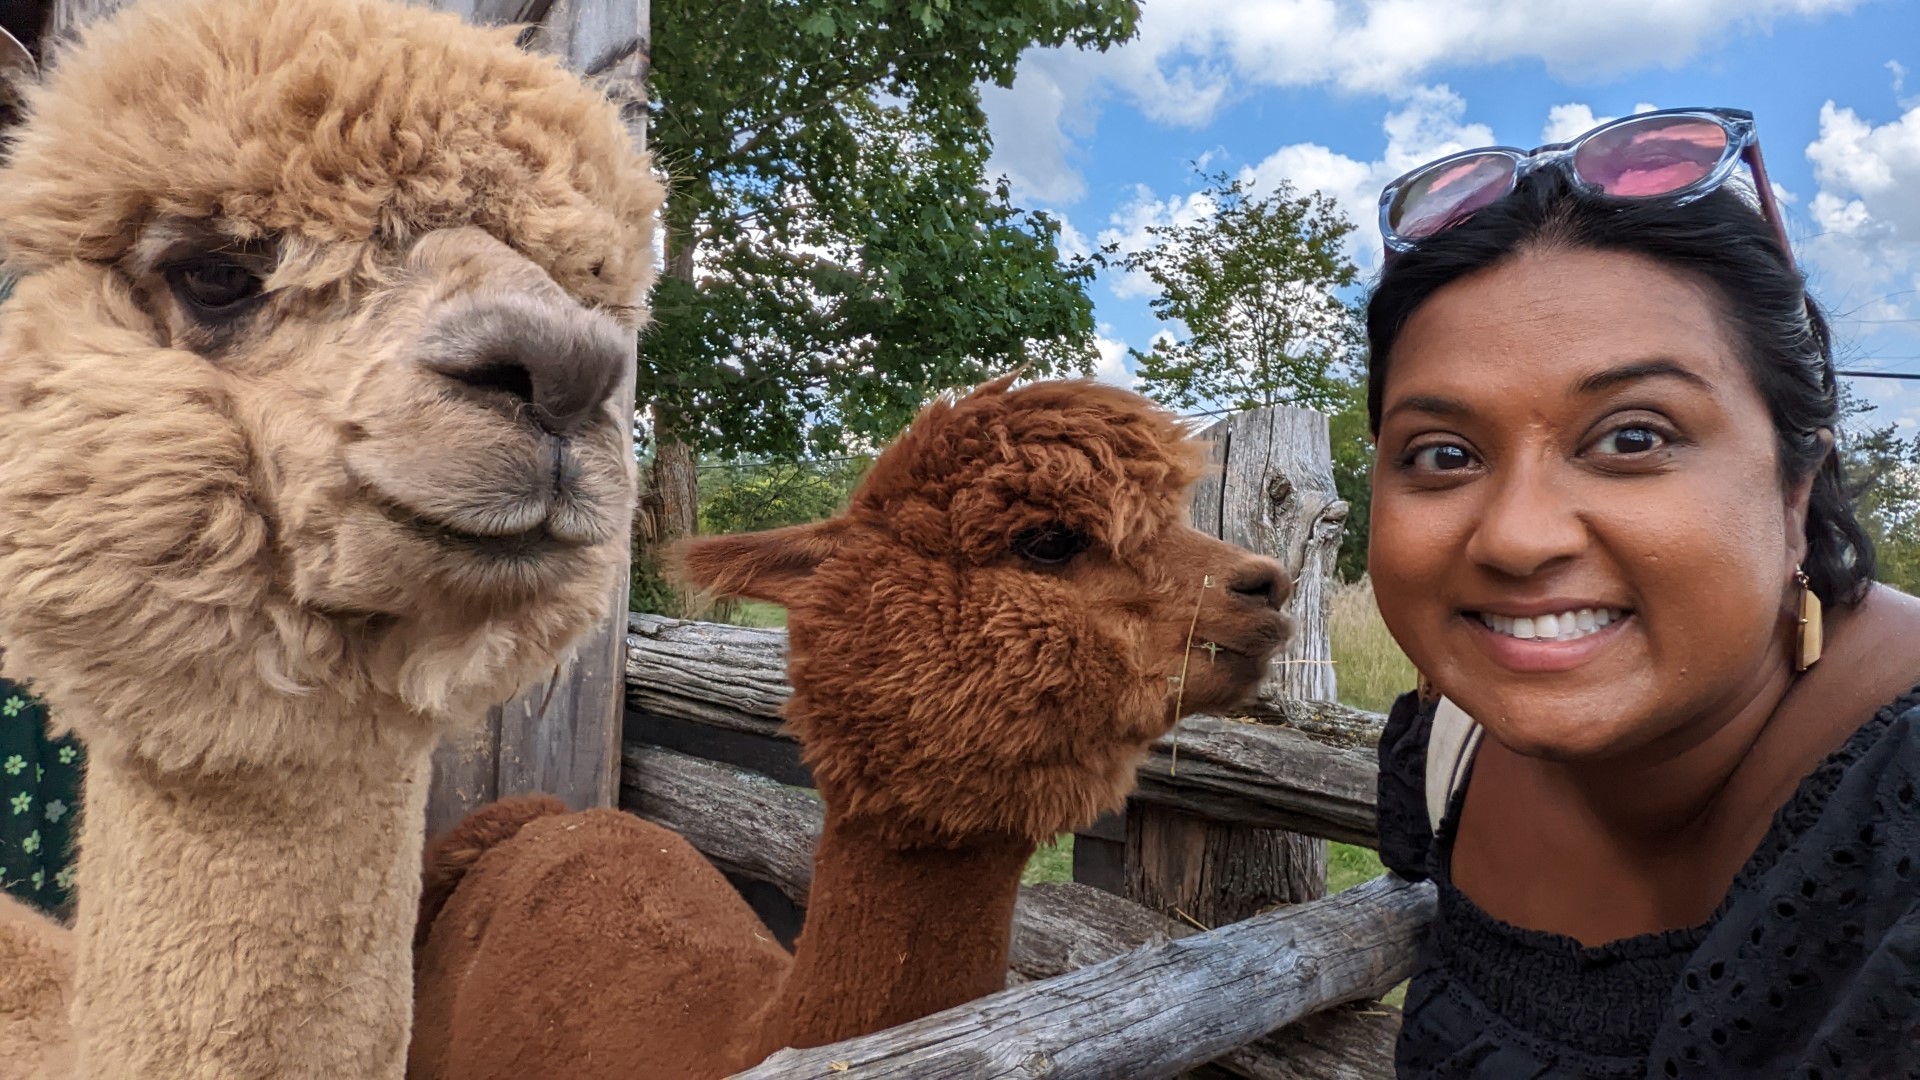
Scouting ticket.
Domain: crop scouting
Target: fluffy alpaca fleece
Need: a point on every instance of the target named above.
(259, 558)
(36, 957)
(981, 648)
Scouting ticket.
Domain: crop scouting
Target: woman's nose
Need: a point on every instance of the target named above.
(1527, 525)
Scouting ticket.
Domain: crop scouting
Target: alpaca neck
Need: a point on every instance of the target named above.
(893, 934)
(252, 925)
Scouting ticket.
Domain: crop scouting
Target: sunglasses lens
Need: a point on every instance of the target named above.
(1656, 156)
(1448, 192)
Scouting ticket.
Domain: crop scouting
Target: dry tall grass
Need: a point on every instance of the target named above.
(1370, 669)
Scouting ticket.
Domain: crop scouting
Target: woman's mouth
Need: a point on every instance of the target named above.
(1548, 642)
(1563, 626)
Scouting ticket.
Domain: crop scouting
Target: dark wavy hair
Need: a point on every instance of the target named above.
(1721, 241)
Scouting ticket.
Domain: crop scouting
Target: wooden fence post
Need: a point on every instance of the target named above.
(570, 747)
(1273, 494)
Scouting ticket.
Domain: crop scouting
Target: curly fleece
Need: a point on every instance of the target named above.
(248, 868)
(334, 125)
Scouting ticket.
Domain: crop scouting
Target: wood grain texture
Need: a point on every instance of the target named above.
(465, 775)
(1305, 766)
(744, 823)
(69, 16)
(498, 12)
(758, 830)
(1155, 1011)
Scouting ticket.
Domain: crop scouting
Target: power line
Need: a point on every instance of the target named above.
(1907, 376)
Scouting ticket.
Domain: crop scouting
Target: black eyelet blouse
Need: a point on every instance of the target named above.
(1809, 969)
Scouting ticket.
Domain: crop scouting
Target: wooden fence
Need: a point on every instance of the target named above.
(1106, 979)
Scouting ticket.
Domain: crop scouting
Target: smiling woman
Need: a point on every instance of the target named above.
(1681, 838)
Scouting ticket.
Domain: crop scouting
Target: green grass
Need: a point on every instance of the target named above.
(750, 613)
(1053, 862)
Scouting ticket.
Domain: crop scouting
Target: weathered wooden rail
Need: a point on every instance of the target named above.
(1360, 946)
(715, 691)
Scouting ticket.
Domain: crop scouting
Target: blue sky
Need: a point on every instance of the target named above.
(1343, 95)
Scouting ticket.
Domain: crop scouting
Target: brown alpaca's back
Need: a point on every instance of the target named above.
(669, 965)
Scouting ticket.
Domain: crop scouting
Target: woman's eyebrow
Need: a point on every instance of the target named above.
(1430, 404)
(1646, 369)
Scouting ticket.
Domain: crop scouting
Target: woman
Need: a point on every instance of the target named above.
(1677, 825)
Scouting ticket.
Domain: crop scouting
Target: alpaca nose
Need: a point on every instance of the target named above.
(1262, 582)
(521, 356)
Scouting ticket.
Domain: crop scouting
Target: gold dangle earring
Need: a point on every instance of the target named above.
(1807, 648)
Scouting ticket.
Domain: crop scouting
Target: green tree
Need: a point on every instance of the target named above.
(746, 496)
(1352, 445)
(1884, 469)
(1252, 296)
(834, 253)
(1255, 288)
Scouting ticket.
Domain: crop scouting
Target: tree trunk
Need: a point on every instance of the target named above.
(669, 509)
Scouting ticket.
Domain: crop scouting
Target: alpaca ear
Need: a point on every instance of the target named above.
(773, 565)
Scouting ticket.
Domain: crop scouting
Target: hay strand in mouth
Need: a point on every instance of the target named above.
(1186, 660)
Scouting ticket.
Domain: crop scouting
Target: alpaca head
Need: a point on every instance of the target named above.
(307, 390)
(1010, 610)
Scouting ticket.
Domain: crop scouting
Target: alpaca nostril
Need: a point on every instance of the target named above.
(557, 368)
(1263, 583)
(502, 376)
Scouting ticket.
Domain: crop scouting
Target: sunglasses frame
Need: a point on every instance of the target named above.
(1743, 144)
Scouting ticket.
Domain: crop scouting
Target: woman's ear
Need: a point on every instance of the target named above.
(1800, 497)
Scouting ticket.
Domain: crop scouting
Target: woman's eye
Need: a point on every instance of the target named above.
(1630, 440)
(1443, 457)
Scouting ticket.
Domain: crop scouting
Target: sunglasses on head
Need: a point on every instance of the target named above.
(1678, 154)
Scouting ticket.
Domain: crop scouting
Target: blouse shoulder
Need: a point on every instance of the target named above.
(1405, 835)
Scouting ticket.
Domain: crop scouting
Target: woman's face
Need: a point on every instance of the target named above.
(1578, 528)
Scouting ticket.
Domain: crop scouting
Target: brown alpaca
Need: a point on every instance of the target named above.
(310, 451)
(982, 647)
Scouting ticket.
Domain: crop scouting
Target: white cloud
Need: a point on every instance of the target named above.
(1035, 124)
(1193, 56)
(1864, 254)
(1071, 241)
(1569, 121)
(1431, 124)
(1113, 359)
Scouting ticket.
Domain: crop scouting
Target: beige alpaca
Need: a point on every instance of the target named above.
(310, 446)
(982, 647)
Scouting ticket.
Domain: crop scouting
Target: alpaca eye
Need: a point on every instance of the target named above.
(1049, 545)
(214, 286)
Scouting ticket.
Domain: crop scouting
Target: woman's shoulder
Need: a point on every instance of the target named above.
(1812, 954)
(1405, 834)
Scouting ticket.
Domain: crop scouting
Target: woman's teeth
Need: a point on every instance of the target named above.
(1565, 626)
